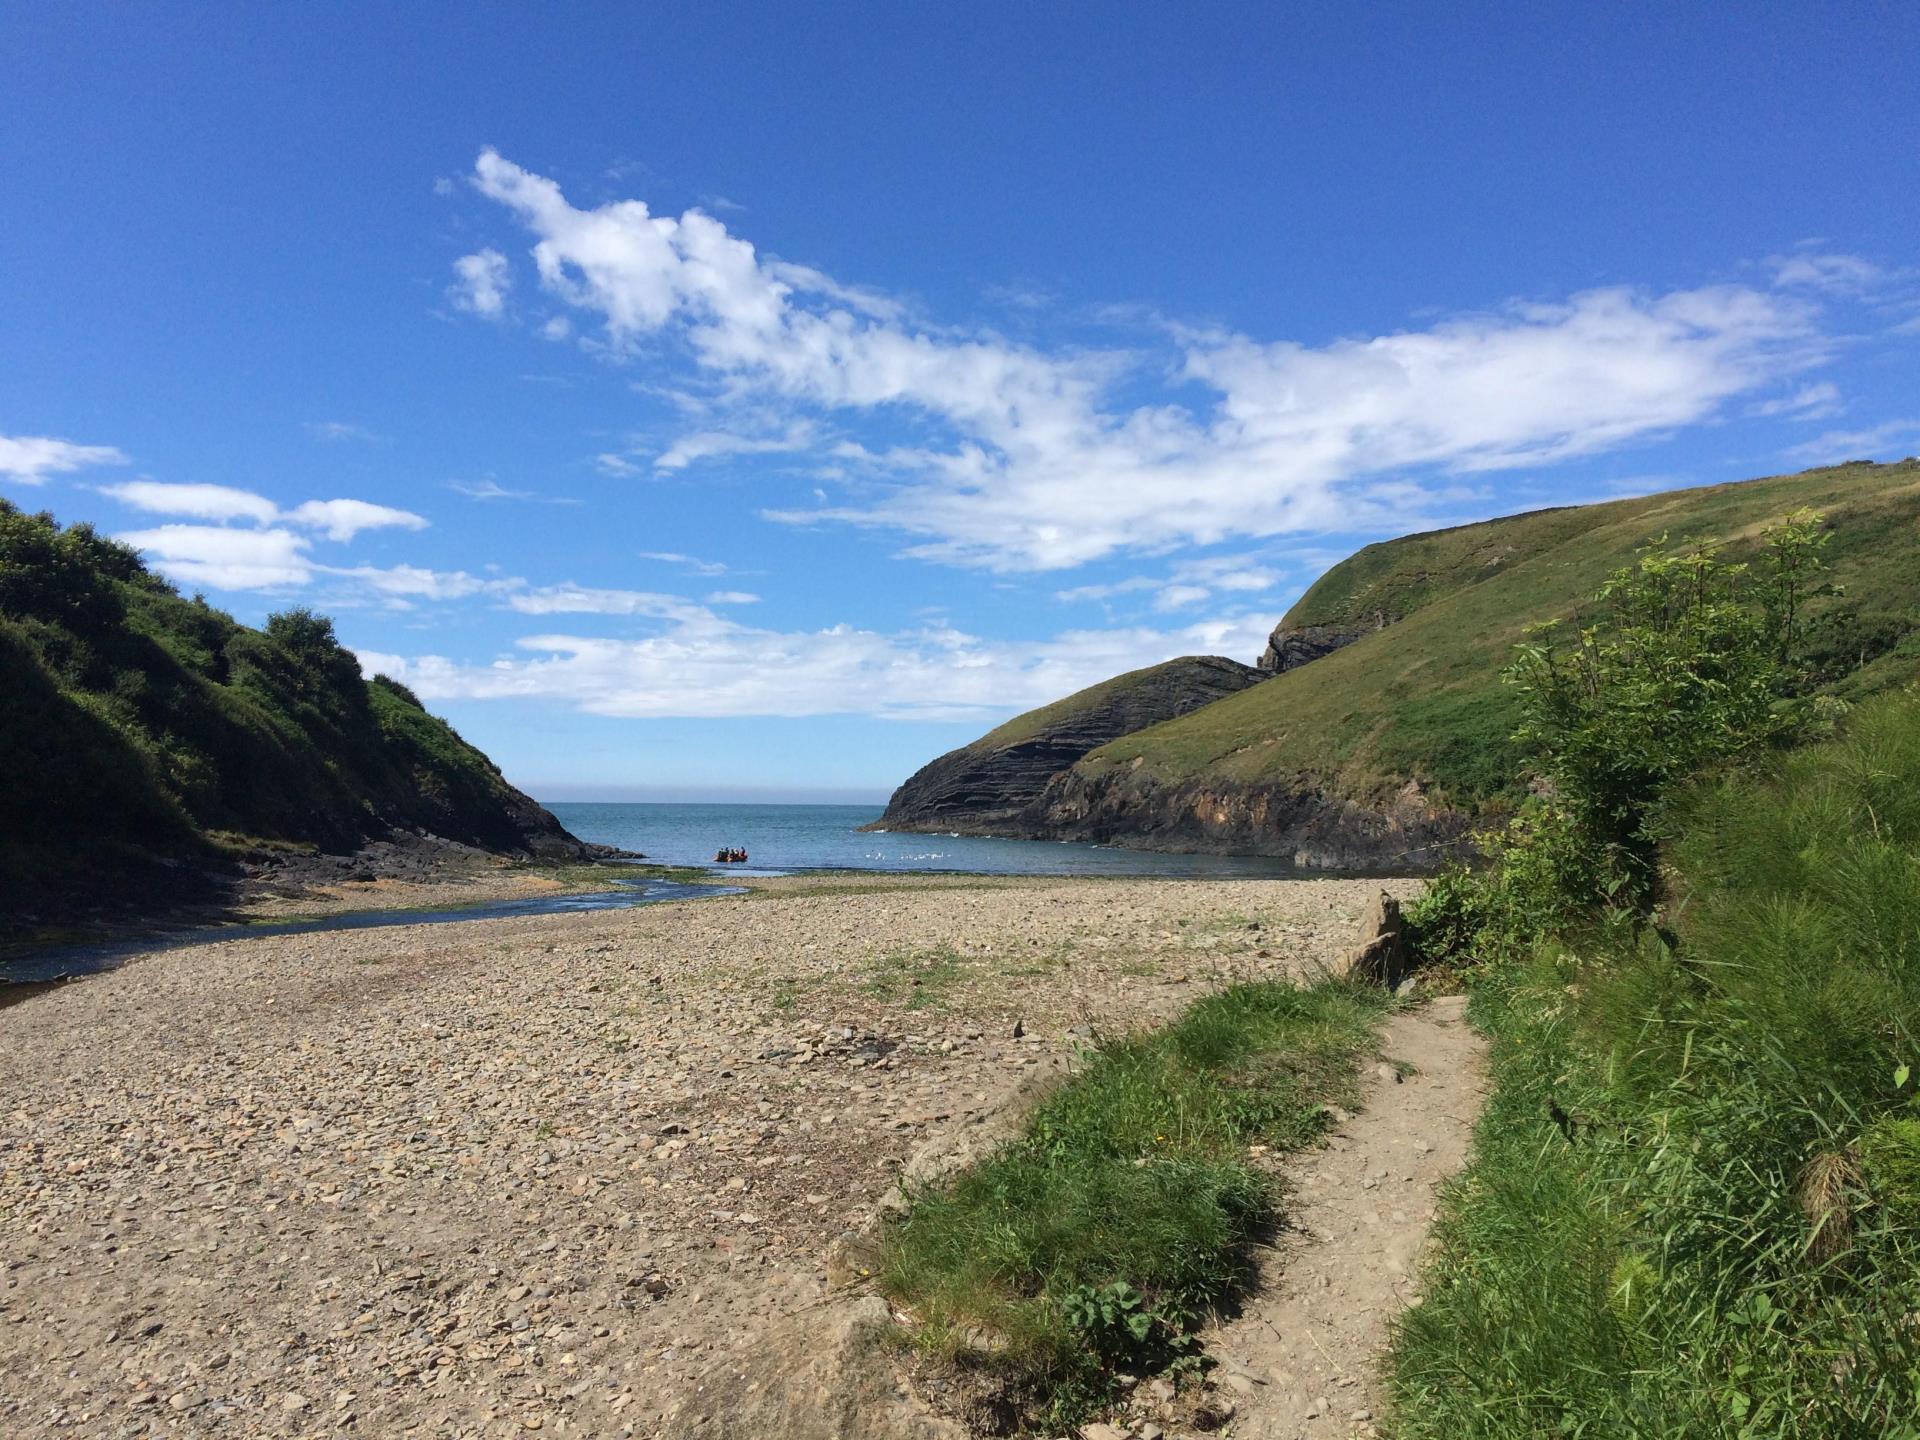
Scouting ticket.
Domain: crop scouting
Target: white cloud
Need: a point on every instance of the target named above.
(1106, 592)
(707, 444)
(733, 597)
(201, 502)
(588, 600)
(1894, 439)
(343, 519)
(713, 667)
(1815, 270)
(488, 490)
(226, 558)
(411, 582)
(339, 519)
(29, 459)
(691, 562)
(484, 283)
(1190, 583)
(1033, 462)
(266, 554)
(1809, 402)
(1179, 597)
(619, 465)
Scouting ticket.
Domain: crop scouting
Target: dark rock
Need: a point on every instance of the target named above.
(1290, 648)
(986, 787)
(1297, 819)
(1381, 954)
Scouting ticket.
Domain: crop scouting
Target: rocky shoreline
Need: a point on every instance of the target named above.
(534, 1174)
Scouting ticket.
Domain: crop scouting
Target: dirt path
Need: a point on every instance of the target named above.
(1303, 1359)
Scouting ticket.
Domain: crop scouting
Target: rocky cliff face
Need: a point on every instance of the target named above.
(1290, 647)
(1297, 820)
(988, 787)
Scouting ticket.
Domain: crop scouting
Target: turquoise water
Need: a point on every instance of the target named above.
(782, 838)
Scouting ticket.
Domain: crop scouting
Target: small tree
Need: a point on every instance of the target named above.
(1688, 660)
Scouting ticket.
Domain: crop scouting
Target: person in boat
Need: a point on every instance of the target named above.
(722, 857)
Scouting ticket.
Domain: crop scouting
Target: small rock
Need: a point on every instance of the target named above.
(1388, 1074)
(1360, 1415)
(293, 1400)
(1239, 1384)
(1019, 1028)
(1102, 1431)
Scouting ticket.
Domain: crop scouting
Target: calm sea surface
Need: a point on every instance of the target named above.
(828, 837)
(779, 838)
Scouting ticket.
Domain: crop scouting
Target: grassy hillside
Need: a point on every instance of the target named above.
(1422, 698)
(1025, 726)
(139, 723)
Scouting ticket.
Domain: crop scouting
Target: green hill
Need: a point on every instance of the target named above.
(1377, 752)
(141, 728)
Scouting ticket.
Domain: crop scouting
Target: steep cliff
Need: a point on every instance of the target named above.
(987, 787)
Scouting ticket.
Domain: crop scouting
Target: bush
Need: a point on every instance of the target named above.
(1688, 662)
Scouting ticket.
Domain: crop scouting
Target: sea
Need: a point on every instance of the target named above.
(786, 839)
(778, 839)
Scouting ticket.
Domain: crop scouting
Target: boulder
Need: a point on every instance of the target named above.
(1381, 954)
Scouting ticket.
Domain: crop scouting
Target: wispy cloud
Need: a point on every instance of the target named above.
(690, 562)
(30, 459)
(338, 431)
(489, 489)
(1809, 402)
(1893, 439)
(1033, 461)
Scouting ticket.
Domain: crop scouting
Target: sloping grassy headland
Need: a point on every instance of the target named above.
(1693, 1207)
(1396, 735)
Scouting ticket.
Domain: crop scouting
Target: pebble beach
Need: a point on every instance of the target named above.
(535, 1174)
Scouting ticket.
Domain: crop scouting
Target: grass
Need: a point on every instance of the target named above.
(921, 978)
(1124, 1212)
(1422, 698)
(1693, 1206)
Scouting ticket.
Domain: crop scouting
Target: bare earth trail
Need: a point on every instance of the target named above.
(1302, 1359)
(533, 1174)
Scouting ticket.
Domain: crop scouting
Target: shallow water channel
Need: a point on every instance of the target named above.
(28, 972)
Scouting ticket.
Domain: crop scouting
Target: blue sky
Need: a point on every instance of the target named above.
(716, 401)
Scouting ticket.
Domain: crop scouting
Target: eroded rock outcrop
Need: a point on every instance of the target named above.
(1298, 820)
(990, 786)
(1290, 647)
